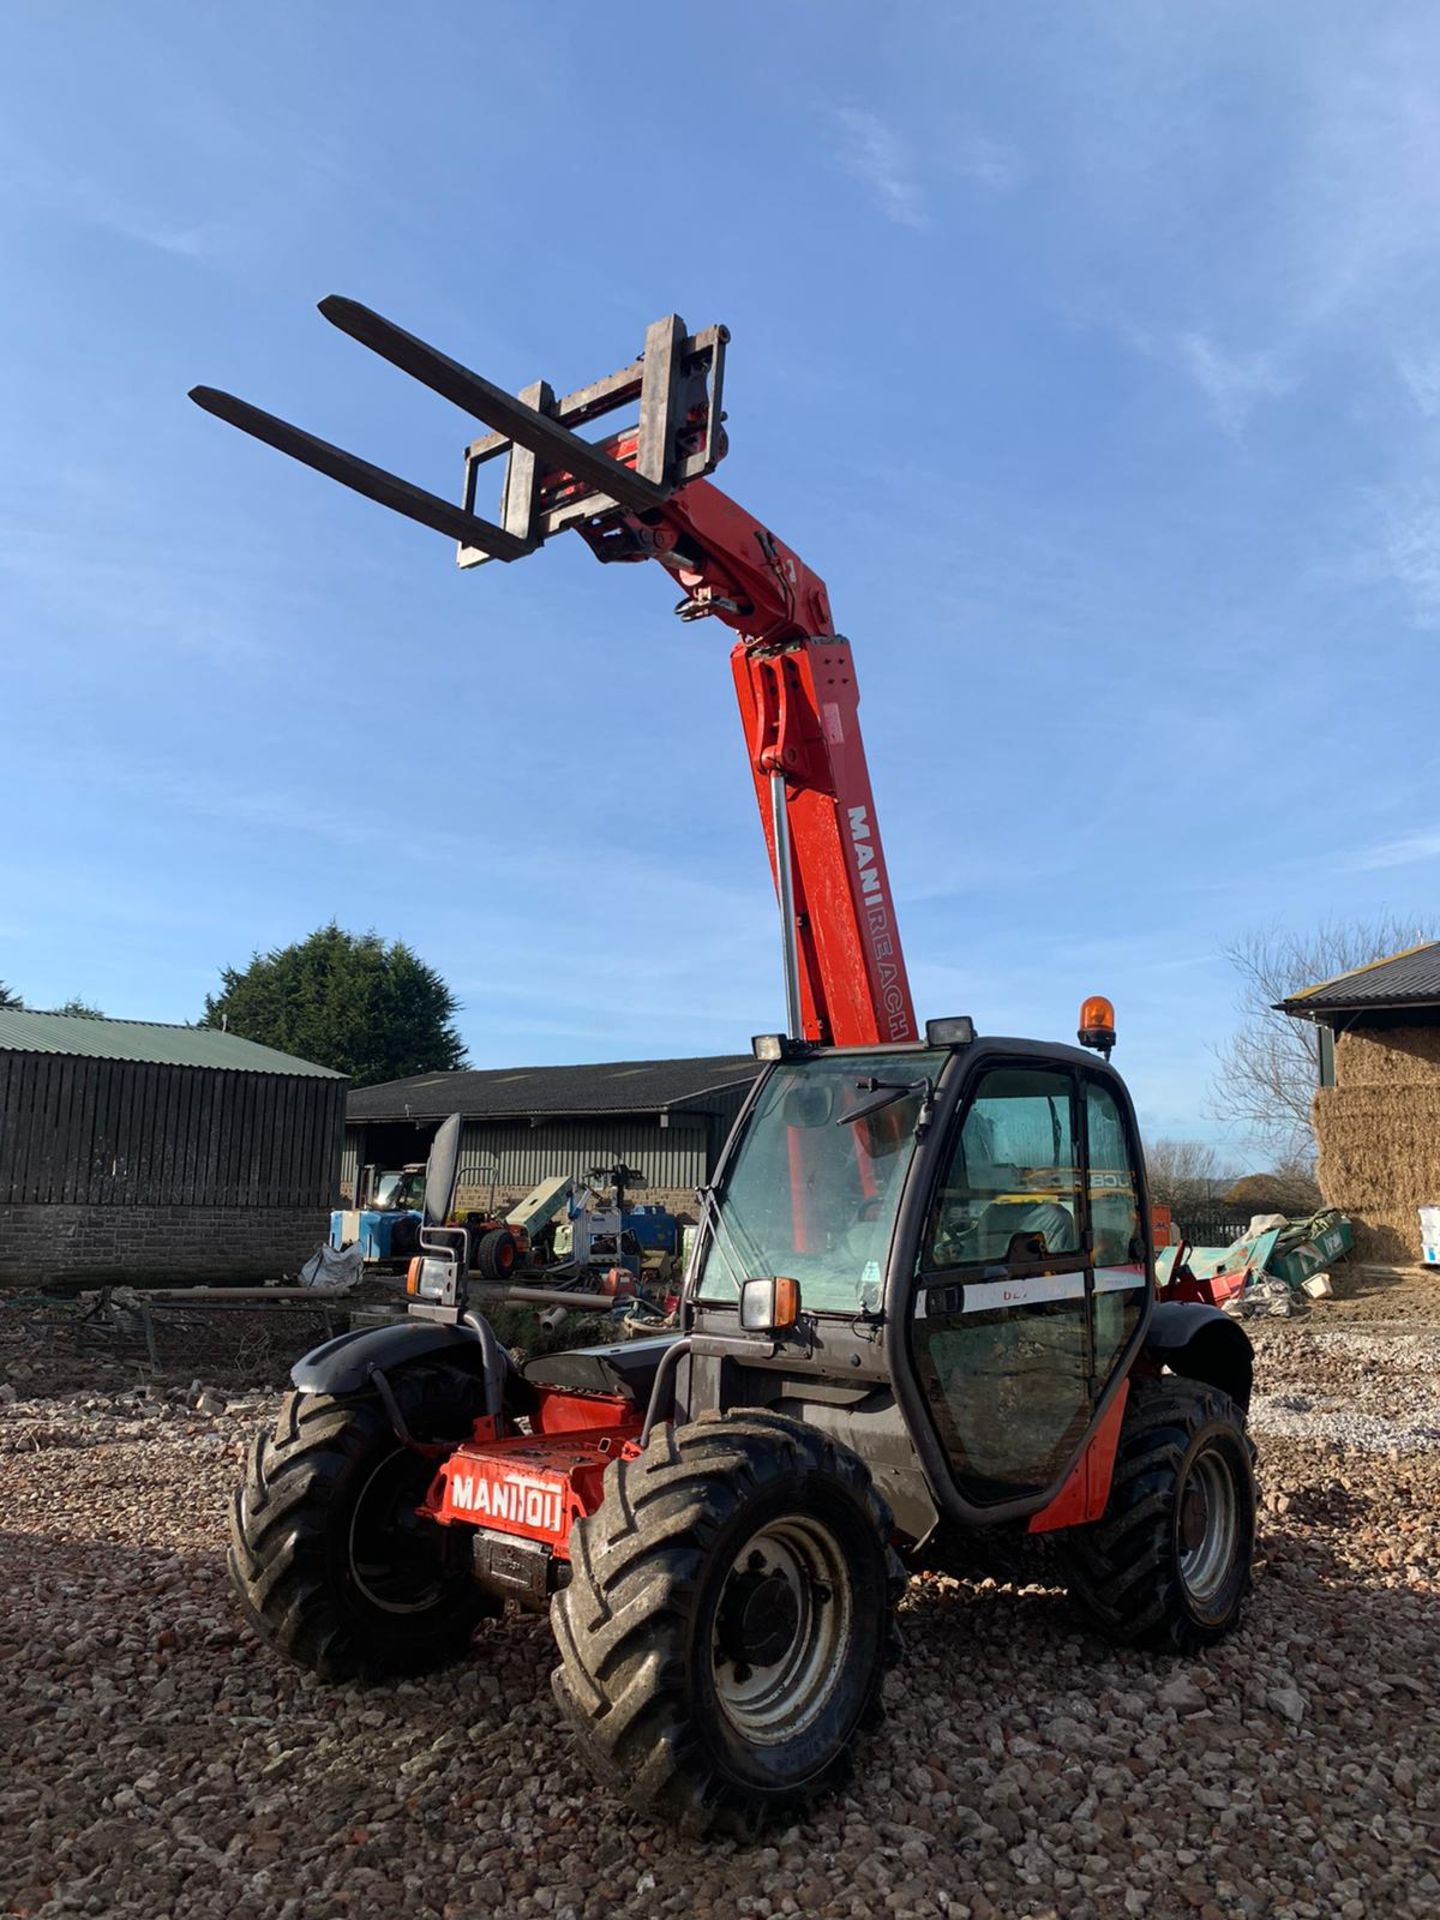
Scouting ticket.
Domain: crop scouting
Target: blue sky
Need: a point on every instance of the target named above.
(1089, 354)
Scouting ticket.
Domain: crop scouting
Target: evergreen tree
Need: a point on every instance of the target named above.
(343, 1000)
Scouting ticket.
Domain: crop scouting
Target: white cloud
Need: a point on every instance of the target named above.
(32, 180)
(1405, 852)
(874, 154)
(1419, 370)
(1407, 548)
(1234, 384)
(988, 162)
(1366, 190)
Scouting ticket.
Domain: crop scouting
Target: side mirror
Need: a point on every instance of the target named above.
(768, 1306)
(442, 1172)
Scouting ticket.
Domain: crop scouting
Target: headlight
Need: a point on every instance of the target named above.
(768, 1305)
(431, 1277)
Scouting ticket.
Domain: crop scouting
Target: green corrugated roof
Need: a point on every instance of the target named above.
(148, 1040)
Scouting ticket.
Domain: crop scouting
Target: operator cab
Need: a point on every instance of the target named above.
(398, 1189)
(966, 1228)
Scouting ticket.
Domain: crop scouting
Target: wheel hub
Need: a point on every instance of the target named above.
(1208, 1527)
(783, 1622)
(759, 1616)
(1194, 1517)
(397, 1561)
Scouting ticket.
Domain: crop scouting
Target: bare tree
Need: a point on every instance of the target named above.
(1269, 1069)
(1184, 1175)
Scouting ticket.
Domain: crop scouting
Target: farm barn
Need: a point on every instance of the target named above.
(1377, 1109)
(665, 1118)
(132, 1151)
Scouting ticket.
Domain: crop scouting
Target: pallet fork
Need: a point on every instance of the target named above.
(553, 477)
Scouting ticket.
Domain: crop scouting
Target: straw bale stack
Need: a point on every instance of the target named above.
(1394, 1057)
(1379, 1161)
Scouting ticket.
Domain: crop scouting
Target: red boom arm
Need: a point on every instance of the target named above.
(799, 703)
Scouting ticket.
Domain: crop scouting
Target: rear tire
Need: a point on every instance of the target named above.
(729, 1618)
(497, 1256)
(332, 1566)
(1168, 1566)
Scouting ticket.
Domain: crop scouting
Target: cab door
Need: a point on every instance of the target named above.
(1119, 1250)
(1032, 1275)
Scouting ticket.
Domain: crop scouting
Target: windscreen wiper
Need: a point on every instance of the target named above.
(884, 1093)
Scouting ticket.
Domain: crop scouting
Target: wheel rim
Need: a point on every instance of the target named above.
(1209, 1526)
(781, 1629)
(395, 1556)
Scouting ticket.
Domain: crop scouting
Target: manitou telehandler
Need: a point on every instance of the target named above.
(921, 1302)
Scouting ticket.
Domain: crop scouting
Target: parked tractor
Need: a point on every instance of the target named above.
(920, 1310)
(389, 1210)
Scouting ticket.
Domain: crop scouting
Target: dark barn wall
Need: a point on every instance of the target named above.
(115, 1161)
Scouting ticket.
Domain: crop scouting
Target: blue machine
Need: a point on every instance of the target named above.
(654, 1228)
(374, 1230)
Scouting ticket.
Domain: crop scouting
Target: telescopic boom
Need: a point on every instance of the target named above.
(642, 494)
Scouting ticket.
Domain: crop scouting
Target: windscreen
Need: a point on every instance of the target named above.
(815, 1182)
(394, 1191)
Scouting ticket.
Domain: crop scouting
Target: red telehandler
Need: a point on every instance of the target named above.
(920, 1310)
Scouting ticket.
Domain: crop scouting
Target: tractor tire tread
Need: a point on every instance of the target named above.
(282, 1557)
(1121, 1571)
(621, 1623)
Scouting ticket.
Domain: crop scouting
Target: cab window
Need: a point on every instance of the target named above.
(1012, 1189)
(1120, 1255)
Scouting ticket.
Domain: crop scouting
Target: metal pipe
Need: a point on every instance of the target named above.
(785, 880)
(550, 1297)
(669, 1361)
(497, 1364)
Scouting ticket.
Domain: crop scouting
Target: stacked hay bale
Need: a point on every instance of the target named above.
(1378, 1132)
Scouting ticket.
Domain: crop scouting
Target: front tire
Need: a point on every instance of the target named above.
(728, 1621)
(332, 1566)
(1168, 1566)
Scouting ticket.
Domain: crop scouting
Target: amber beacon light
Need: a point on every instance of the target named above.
(1097, 1024)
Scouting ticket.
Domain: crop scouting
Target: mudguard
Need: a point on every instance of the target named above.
(1202, 1343)
(345, 1364)
(624, 1366)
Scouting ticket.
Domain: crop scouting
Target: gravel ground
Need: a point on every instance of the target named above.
(168, 1767)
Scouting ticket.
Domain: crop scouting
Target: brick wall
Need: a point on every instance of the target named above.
(41, 1245)
(680, 1200)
